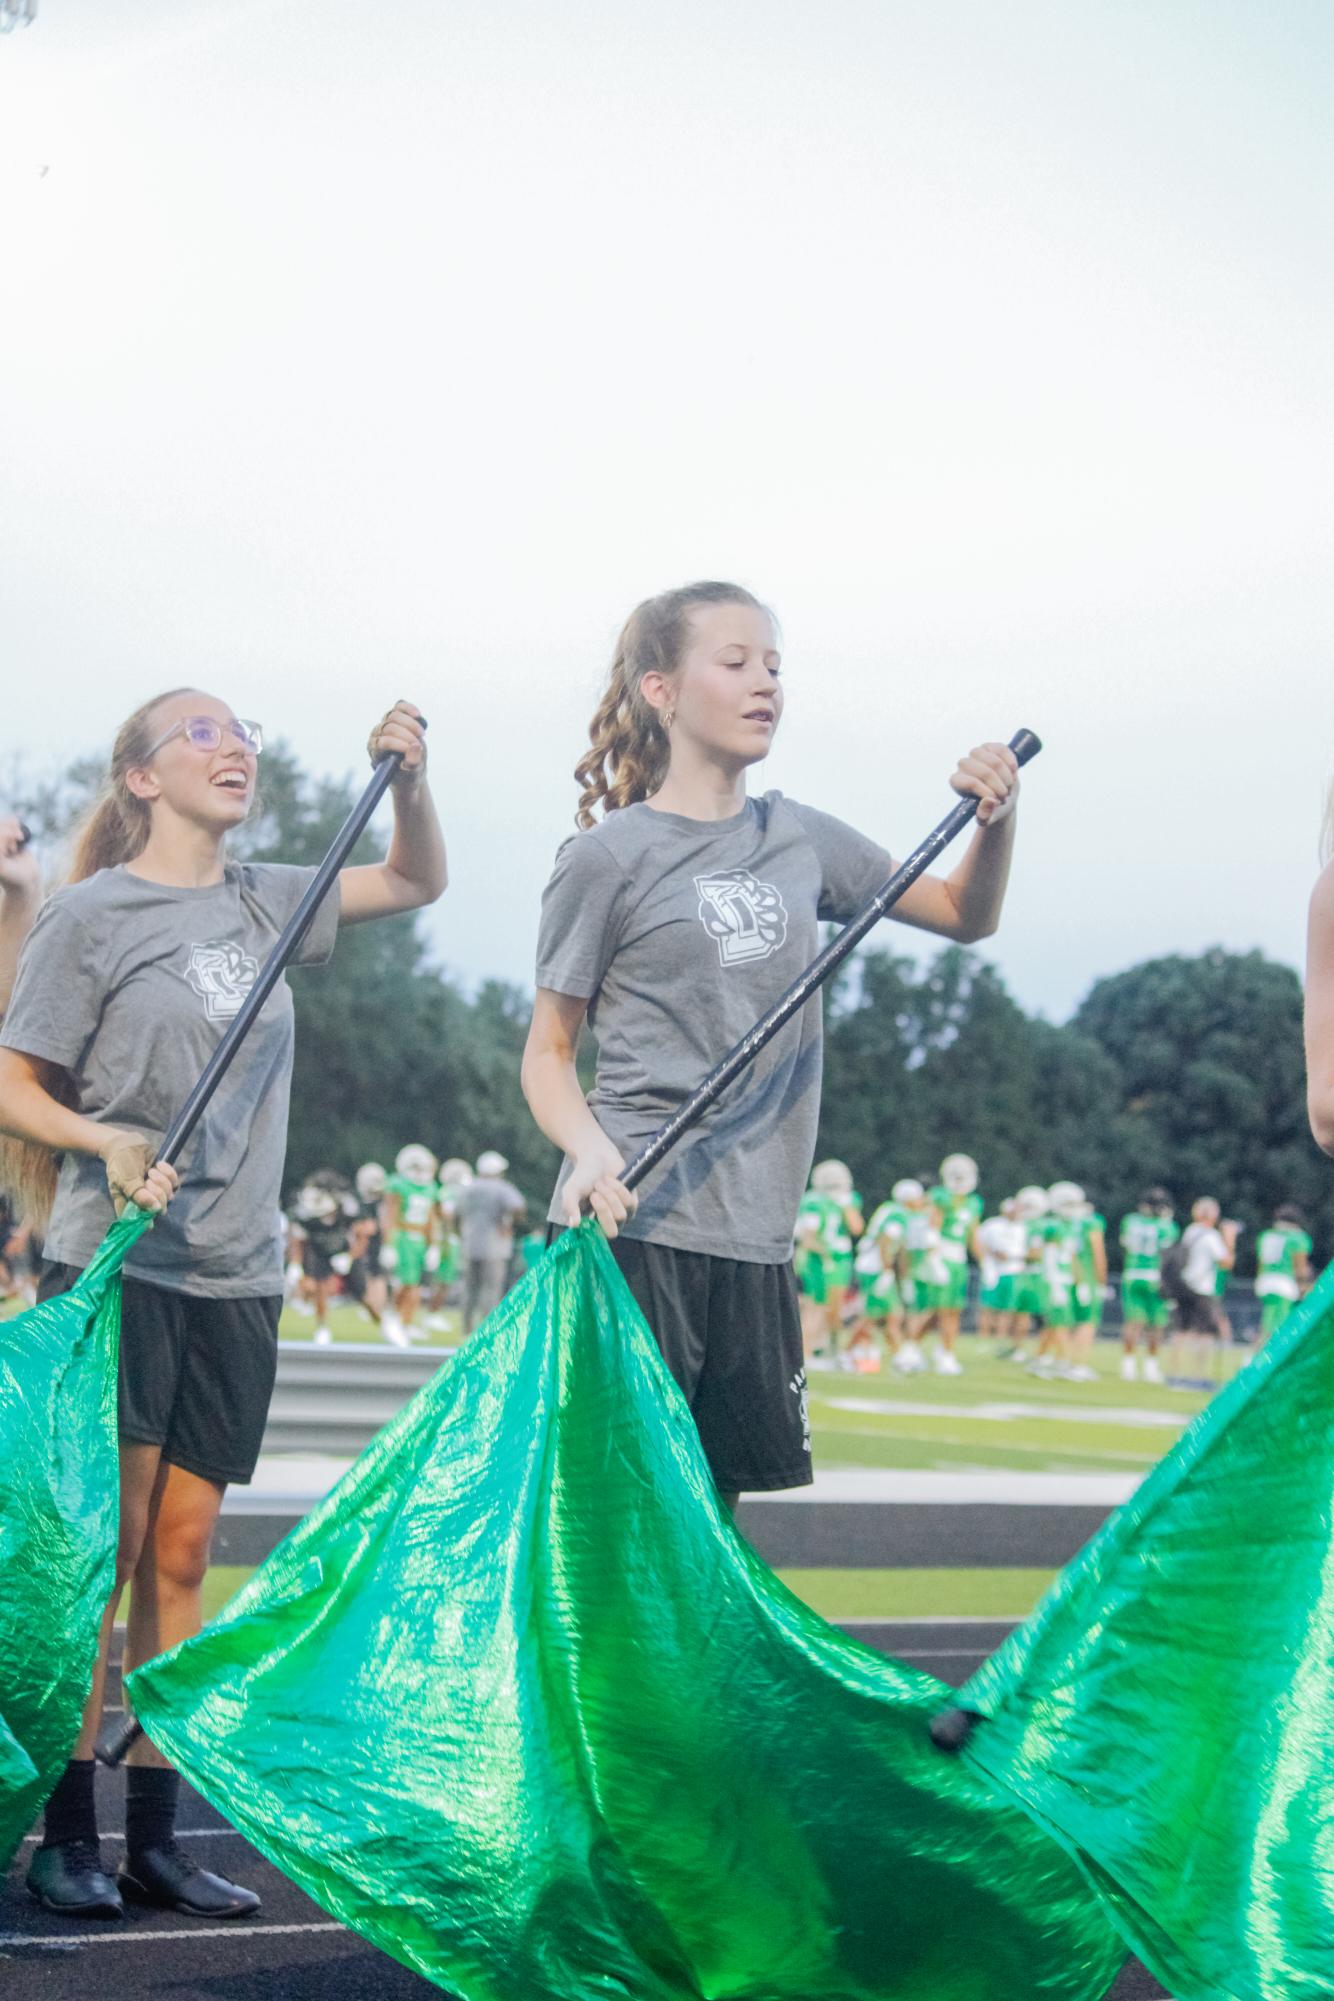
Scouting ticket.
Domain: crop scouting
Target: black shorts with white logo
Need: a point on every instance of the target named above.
(196, 1375)
(730, 1332)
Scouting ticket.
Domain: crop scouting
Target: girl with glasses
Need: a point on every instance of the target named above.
(130, 977)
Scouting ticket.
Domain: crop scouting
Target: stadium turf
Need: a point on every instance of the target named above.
(836, 1594)
(996, 1417)
(349, 1323)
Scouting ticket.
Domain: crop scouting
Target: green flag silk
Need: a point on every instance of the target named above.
(1168, 1711)
(518, 1703)
(59, 1516)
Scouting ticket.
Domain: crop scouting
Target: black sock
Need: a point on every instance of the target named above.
(71, 1814)
(150, 1807)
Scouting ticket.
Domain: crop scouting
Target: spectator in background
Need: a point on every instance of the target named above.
(1209, 1247)
(20, 894)
(489, 1211)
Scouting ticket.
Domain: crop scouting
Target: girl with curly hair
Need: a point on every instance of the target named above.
(676, 915)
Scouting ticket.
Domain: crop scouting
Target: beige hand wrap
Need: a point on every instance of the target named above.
(127, 1169)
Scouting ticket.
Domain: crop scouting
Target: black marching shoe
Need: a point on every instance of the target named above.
(68, 1878)
(168, 1878)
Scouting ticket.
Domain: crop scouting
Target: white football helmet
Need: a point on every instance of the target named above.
(370, 1181)
(1031, 1203)
(907, 1193)
(958, 1173)
(315, 1204)
(415, 1163)
(1065, 1199)
(831, 1177)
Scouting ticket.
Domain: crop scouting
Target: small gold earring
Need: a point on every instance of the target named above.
(668, 718)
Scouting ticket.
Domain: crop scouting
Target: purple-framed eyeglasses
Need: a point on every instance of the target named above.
(205, 733)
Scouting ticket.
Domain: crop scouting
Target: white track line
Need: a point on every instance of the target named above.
(181, 1833)
(240, 1929)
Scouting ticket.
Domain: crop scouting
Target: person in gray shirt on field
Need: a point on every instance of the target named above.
(671, 924)
(489, 1212)
(128, 981)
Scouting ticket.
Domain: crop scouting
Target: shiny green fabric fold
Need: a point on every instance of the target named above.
(59, 1519)
(518, 1704)
(1168, 1711)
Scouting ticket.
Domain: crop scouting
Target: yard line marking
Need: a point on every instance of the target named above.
(235, 1930)
(1010, 1413)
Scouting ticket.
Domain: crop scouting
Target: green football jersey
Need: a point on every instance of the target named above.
(417, 1201)
(922, 1242)
(959, 1217)
(1052, 1249)
(885, 1233)
(1278, 1249)
(821, 1217)
(1143, 1241)
(1086, 1229)
(959, 1214)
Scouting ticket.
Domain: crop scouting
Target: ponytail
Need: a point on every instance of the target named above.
(115, 829)
(629, 749)
(116, 826)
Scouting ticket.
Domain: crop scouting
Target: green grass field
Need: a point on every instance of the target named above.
(349, 1323)
(996, 1417)
(837, 1594)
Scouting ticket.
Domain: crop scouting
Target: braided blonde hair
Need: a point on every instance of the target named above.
(629, 748)
(114, 830)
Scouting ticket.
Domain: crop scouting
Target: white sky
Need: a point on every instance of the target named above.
(356, 350)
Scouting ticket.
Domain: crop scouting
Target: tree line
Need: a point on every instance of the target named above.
(1185, 1071)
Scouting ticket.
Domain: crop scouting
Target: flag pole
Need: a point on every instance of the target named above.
(278, 960)
(1025, 746)
(114, 1747)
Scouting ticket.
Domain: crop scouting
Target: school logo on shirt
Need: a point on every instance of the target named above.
(222, 975)
(746, 917)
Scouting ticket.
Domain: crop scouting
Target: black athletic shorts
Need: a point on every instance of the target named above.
(196, 1375)
(1202, 1314)
(730, 1332)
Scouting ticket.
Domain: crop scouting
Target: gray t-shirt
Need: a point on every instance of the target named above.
(130, 986)
(487, 1209)
(680, 933)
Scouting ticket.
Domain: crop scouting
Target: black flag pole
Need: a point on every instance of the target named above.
(1025, 747)
(950, 1728)
(114, 1747)
(279, 958)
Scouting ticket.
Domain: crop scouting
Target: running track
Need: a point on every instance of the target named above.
(292, 1951)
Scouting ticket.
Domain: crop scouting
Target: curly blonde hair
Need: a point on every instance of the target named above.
(629, 748)
(114, 830)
